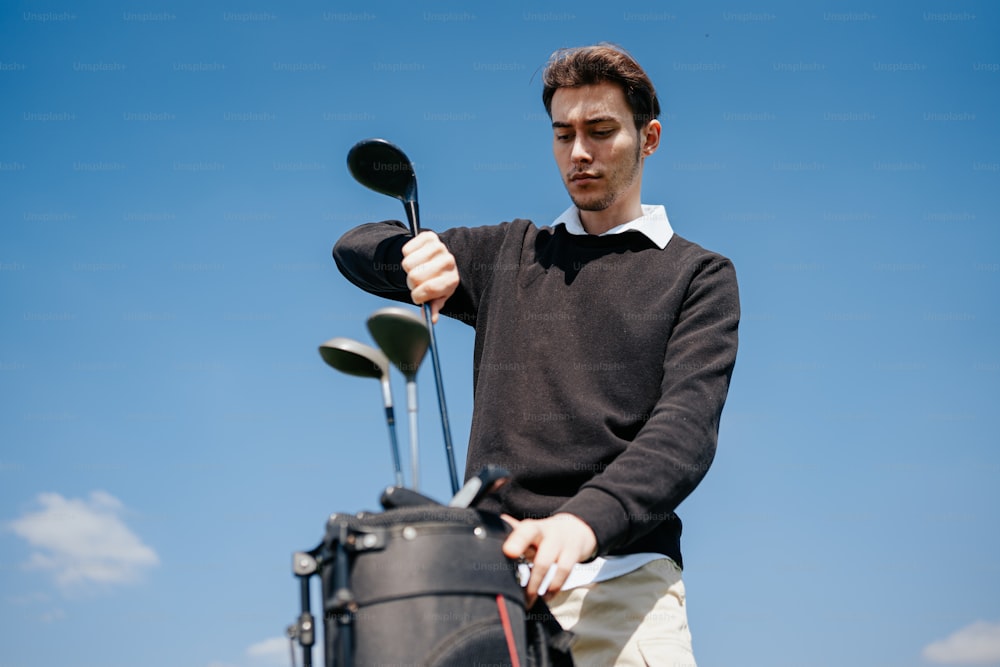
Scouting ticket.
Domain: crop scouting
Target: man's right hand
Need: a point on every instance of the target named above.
(431, 272)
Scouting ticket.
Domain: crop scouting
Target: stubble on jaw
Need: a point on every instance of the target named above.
(610, 196)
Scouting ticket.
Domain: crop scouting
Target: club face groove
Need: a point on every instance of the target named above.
(382, 166)
(402, 336)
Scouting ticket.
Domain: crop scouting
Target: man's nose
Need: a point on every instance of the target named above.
(581, 151)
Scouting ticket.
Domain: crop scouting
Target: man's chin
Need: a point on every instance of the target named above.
(590, 204)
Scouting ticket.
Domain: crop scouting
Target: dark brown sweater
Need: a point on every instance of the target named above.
(601, 367)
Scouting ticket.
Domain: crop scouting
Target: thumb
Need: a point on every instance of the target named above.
(509, 548)
(436, 306)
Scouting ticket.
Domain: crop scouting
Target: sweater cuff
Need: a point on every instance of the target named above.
(603, 513)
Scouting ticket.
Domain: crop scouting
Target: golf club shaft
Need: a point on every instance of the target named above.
(397, 465)
(411, 408)
(445, 426)
(413, 217)
(390, 419)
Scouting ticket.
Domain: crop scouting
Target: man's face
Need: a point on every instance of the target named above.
(597, 148)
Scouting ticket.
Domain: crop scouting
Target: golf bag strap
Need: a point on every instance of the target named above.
(548, 643)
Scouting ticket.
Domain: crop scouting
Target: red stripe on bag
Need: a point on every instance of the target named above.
(508, 631)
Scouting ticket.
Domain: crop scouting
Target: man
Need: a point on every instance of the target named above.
(603, 353)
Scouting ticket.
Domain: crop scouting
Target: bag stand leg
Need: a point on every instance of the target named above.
(343, 604)
(304, 629)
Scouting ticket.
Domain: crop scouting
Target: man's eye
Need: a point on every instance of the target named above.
(603, 133)
(562, 137)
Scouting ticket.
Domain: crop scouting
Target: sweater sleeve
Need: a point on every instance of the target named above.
(672, 452)
(371, 255)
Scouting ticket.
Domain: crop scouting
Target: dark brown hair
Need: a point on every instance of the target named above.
(589, 65)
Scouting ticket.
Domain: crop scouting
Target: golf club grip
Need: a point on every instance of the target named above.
(445, 422)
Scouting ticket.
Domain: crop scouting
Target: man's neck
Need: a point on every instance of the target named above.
(598, 222)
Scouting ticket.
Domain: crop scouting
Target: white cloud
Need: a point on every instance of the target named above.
(83, 540)
(273, 651)
(975, 644)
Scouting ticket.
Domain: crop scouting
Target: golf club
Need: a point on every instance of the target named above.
(489, 479)
(381, 166)
(354, 358)
(403, 337)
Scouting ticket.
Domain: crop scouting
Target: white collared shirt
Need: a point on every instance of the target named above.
(653, 223)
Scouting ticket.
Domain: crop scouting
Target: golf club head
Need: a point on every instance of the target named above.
(402, 335)
(382, 166)
(354, 358)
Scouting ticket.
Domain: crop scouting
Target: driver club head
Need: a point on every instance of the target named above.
(402, 336)
(382, 166)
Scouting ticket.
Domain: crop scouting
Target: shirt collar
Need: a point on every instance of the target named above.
(653, 224)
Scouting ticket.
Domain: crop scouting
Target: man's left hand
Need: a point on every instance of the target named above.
(562, 540)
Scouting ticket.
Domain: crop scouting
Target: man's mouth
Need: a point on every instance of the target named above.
(583, 177)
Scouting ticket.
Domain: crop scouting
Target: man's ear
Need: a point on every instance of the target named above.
(650, 137)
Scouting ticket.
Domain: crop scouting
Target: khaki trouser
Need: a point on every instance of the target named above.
(636, 620)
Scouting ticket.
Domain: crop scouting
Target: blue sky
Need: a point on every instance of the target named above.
(172, 178)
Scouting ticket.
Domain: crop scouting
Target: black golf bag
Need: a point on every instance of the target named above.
(427, 586)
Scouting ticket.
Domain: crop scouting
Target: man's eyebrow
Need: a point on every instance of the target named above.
(589, 121)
